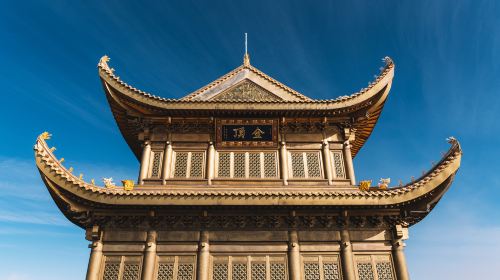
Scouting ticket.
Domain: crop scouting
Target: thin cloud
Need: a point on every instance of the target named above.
(19, 276)
(33, 218)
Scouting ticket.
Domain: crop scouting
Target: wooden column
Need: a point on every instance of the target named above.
(167, 162)
(348, 161)
(210, 162)
(399, 235)
(148, 265)
(93, 234)
(294, 255)
(284, 163)
(146, 153)
(202, 269)
(327, 162)
(347, 257)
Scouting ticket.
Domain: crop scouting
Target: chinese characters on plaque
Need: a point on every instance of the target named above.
(244, 133)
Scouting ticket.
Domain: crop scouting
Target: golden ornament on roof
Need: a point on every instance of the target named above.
(384, 183)
(365, 185)
(45, 135)
(128, 185)
(108, 182)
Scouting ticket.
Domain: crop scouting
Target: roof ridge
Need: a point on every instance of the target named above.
(103, 64)
(213, 83)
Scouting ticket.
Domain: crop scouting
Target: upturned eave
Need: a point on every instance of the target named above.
(364, 106)
(69, 188)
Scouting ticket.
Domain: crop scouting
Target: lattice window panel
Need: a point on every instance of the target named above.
(321, 267)
(365, 271)
(165, 271)
(311, 271)
(239, 271)
(255, 165)
(185, 271)
(338, 164)
(156, 164)
(270, 166)
(258, 271)
(196, 170)
(298, 166)
(220, 271)
(305, 165)
(239, 165)
(224, 169)
(384, 271)
(331, 271)
(189, 165)
(111, 271)
(122, 268)
(376, 266)
(278, 271)
(176, 268)
(131, 271)
(254, 267)
(180, 167)
(313, 165)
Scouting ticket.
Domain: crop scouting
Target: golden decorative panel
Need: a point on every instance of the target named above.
(246, 91)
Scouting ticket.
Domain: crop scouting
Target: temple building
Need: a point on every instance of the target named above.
(245, 179)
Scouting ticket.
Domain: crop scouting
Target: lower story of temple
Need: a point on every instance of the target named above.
(367, 254)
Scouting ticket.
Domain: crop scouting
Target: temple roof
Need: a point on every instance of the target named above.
(72, 193)
(246, 91)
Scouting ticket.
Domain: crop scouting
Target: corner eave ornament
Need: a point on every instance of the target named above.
(128, 185)
(365, 185)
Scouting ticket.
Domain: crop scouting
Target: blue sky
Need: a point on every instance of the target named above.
(447, 56)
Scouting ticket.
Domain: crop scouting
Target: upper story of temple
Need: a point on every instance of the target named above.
(246, 129)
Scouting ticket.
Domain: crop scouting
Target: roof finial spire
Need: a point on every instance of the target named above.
(246, 57)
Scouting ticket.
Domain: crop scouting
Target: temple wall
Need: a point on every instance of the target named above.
(320, 157)
(249, 255)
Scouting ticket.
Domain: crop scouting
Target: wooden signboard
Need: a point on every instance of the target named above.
(247, 133)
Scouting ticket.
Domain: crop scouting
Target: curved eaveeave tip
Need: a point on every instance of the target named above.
(103, 63)
(61, 177)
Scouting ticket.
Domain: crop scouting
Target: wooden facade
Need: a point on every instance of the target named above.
(248, 179)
